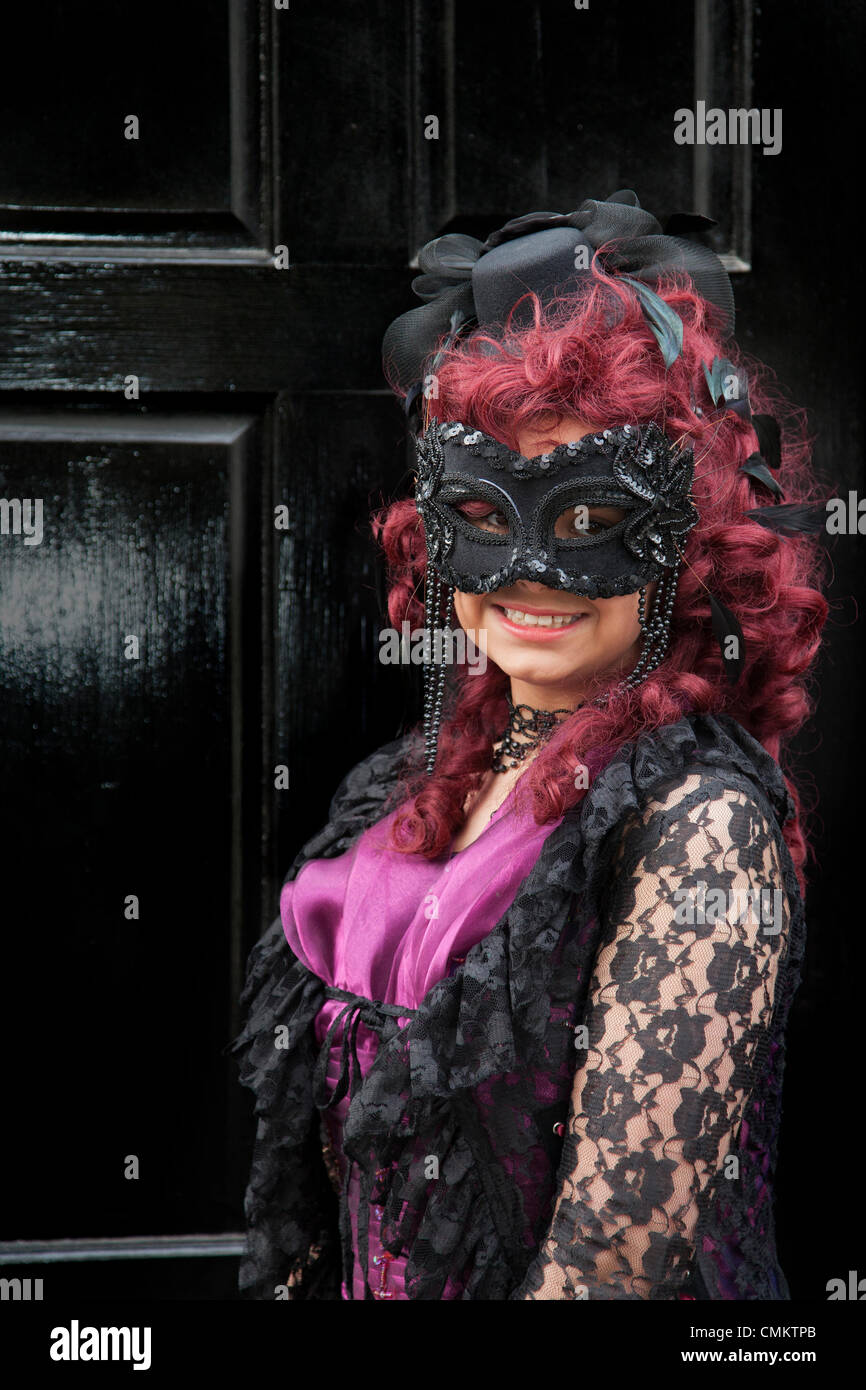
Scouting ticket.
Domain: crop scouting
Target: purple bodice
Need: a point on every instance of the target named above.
(388, 926)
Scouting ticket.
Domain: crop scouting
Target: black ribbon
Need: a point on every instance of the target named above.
(642, 250)
(377, 1016)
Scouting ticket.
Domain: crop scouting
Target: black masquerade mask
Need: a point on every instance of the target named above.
(600, 516)
(492, 517)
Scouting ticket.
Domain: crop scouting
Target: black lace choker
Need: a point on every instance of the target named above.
(537, 726)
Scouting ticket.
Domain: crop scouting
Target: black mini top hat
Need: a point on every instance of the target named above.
(467, 283)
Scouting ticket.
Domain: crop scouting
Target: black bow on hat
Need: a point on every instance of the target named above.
(468, 282)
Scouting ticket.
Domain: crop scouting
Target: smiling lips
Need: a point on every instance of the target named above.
(536, 624)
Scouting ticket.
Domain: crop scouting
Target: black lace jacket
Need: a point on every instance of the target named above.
(619, 1034)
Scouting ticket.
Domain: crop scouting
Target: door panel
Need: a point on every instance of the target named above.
(136, 128)
(128, 636)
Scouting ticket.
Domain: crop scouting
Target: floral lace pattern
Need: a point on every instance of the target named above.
(681, 1005)
(636, 1165)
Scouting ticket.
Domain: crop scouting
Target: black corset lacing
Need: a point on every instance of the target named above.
(382, 1019)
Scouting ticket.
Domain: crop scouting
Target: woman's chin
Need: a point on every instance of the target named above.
(537, 668)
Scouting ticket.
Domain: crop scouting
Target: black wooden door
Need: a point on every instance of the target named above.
(208, 214)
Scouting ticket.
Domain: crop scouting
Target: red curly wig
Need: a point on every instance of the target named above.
(593, 356)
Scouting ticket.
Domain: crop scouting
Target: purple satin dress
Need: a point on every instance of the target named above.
(389, 926)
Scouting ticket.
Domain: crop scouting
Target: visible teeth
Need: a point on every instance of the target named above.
(516, 615)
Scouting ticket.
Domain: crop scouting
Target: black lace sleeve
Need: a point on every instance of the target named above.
(680, 1007)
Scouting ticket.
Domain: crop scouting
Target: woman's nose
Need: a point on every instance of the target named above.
(532, 586)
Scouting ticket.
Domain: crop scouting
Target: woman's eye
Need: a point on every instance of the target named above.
(582, 521)
(483, 515)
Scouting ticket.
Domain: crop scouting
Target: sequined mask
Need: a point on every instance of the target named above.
(543, 505)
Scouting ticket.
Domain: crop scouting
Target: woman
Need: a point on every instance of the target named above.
(519, 1030)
